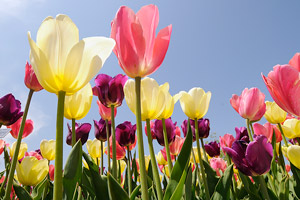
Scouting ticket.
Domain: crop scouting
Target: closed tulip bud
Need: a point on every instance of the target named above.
(9, 110)
(267, 130)
(30, 79)
(158, 131)
(94, 148)
(218, 164)
(81, 131)
(212, 149)
(125, 133)
(274, 114)
(291, 128)
(160, 159)
(23, 149)
(203, 127)
(105, 112)
(51, 172)
(121, 152)
(226, 140)
(100, 129)
(242, 134)
(15, 127)
(32, 171)
(176, 146)
(48, 149)
(292, 153)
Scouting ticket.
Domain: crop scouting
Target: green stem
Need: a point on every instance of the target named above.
(233, 185)
(4, 182)
(196, 168)
(271, 180)
(298, 140)
(249, 130)
(201, 162)
(170, 164)
(153, 163)
(73, 133)
(58, 181)
(263, 188)
(143, 174)
(114, 151)
(79, 193)
(204, 152)
(101, 158)
(108, 147)
(129, 172)
(16, 153)
(281, 131)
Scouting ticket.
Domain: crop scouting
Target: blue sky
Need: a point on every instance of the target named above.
(220, 46)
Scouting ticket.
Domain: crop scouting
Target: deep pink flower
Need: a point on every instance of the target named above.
(35, 154)
(9, 110)
(267, 130)
(100, 130)
(82, 131)
(125, 133)
(158, 131)
(212, 149)
(176, 146)
(28, 128)
(51, 172)
(226, 140)
(152, 130)
(242, 134)
(218, 164)
(30, 79)
(139, 52)
(250, 105)
(105, 112)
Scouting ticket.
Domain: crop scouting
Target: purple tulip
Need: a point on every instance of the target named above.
(203, 126)
(253, 158)
(125, 133)
(9, 110)
(82, 132)
(110, 90)
(100, 129)
(242, 134)
(158, 131)
(212, 148)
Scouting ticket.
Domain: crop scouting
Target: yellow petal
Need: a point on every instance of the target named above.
(129, 93)
(274, 114)
(293, 128)
(22, 151)
(293, 153)
(47, 148)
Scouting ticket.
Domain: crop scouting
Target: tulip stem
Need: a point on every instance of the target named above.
(203, 147)
(201, 162)
(143, 174)
(16, 153)
(249, 130)
(108, 147)
(58, 181)
(281, 131)
(196, 166)
(101, 158)
(129, 172)
(263, 187)
(114, 153)
(73, 133)
(153, 163)
(233, 184)
(170, 164)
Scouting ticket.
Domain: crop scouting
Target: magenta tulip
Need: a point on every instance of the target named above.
(158, 131)
(242, 134)
(203, 126)
(9, 110)
(212, 149)
(82, 132)
(125, 133)
(100, 129)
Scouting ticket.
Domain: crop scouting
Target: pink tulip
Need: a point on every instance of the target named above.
(295, 61)
(226, 140)
(34, 154)
(30, 79)
(250, 105)
(267, 130)
(51, 172)
(176, 146)
(139, 52)
(105, 112)
(218, 164)
(28, 128)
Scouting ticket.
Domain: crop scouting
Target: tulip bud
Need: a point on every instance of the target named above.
(100, 129)
(23, 149)
(125, 133)
(9, 110)
(274, 114)
(51, 172)
(15, 127)
(30, 79)
(212, 149)
(48, 149)
(94, 148)
(218, 164)
(158, 131)
(176, 146)
(105, 112)
(226, 140)
(81, 131)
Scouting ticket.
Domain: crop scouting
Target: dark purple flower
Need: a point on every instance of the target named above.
(100, 129)
(125, 133)
(82, 132)
(110, 90)
(39, 152)
(242, 134)
(253, 158)
(212, 148)
(9, 110)
(158, 131)
(203, 126)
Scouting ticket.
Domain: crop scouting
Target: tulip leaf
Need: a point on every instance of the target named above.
(211, 175)
(188, 185)
(179, 171)
(87, 183)
(135, 192)
(116, 192)
(38, 190)
(296, 176)
(21, 193)
(249, 186)
(73, 171)
(222, 190)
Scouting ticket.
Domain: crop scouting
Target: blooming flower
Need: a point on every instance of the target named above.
(176, 145)
(160, 159)
(218, 164)
(15, 127)
(292, 153)
(158, 131)
(30, 79)
(242, 134)
(94, 148)
(23, 149)
(212, 149)
(125, 133)
(226, 140)
(105, 112)
(291, 128)
(203, 127)
(9, 110)
(81, 131)
(274, 114)
(139, 52)
(100, 130)
(267, 130)
(47, 148)
(169, 104)
(121, 152)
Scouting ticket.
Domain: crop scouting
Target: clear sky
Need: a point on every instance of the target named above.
(220, 46)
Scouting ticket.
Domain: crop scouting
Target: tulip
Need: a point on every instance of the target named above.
(9, 110)
(120, 151)
(93, 147)
(177, 131)
(292, 153)
(195, 103)
(152, 98)
(203, 126)
(267, 130)
(212, 149)
(242, 134)
(100, 129)
(2, 146)
(51, 172)
(15, 127)
(158, 131)
(139, 52)
(105, 112)
(287, 168)
(226, 140)
(251, 159)
(82, 132)
(160, 159)
(48, 149)
(30, 79)
(125, 133)
(250, 105)
(176, 146)
(164, 154)
(132, 146)
(291, 128)
(274, 114)
(35, 154)
(195, 150)
(151, 128)
(218, 164)
(23, 149)
(78, 105)
(169, 103)
(32, 171)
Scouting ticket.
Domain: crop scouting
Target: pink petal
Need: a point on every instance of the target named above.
(295, 61)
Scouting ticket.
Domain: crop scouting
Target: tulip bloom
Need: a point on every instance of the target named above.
(23, 149)
(242, 134)
(226, 140)
(169, 104)
(30, 79)
(292, 153)
(105, 112)
(125, 133)
(120, 151)
(9, 110)
(100, 130)
(291, 128)
(176, 145)
(212, 149)
(251, 159)
(274, 114)
(195, 103)
(48, 149)
(203, 126)
(250, 105)
(62, 62)
(160, 159)
(139, 52)
(32, 171)
(152, 98)
(15, 127)
(158, 131)
(267, 130)
(110, 90)
(79, 104)
(94, 148)
(82, 132)
(218, 164)
(35, 154)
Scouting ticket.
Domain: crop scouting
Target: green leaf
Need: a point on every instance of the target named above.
(73, 171)
(212, 178)
(249, 187)
(222, 190)
(296, 176)
(135, 192)
(116, 192)
(179, 190)
(38, 190)
(188, 185)
(21, 193)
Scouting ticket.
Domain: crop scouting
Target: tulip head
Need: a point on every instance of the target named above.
(169, 103)
(100, 129)
(15, 127)
(125, 133)
(47, 148)
(35, 154)
(30, 79)
(176, 145)
(121, 152)
(160, 159)
(51, 172)
(203, 127)
(226, 140)
(242, 134)
(158, 131)
(291, 128)
(9, 110)
(274, 114)
(292, 153)
(212, 149)
(94, 148)
(23, 149)
(267, 130)
(81, 131)
(105, 112)
(218, 164)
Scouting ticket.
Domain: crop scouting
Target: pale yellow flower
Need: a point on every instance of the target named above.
(94, 148)
(47, 148)
(291, 128)
(22, 151)
(274, 114)
(293, 154)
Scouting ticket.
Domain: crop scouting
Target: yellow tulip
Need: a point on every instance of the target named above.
(160, 159)
(60, 61)
(32, 171)
(22, 151)
(291, 128)
(195, 103)
(147, 162)
(274, 114)
(94, 148)
(47, 148)
(122, 165)
(79, 104)
(292, 153)
(166, 171)
(195, 150)
(152, 97)
(169, 103)
(95, 161)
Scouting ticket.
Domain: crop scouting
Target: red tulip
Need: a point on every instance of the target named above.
(51, 172)
(121, 152)
(28, 128)
(176, 146)
(30, 79)
(105, 112)
(226, 140)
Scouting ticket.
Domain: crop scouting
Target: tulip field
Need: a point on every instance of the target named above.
(260, 161)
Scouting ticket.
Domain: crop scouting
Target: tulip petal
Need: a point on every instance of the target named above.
(129, 91)
(187, 104)
(293, 154)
